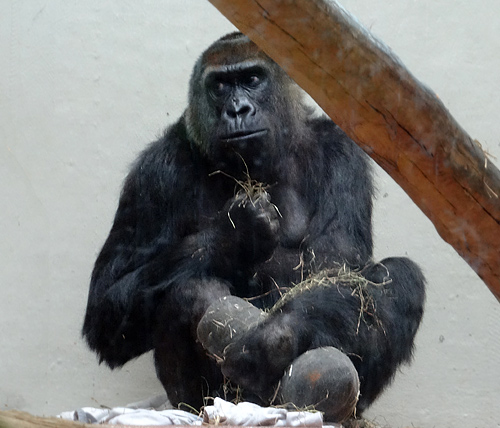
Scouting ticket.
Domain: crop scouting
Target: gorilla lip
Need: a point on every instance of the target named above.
(244, 135)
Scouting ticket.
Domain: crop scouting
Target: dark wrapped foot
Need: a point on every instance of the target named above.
(224, 320)
(324, 379)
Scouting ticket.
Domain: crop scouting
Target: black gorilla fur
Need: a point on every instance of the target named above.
(183, 237)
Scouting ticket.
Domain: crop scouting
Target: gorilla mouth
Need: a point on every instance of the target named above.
(239, 136)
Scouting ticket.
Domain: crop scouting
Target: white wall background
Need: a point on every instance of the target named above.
(85, 85)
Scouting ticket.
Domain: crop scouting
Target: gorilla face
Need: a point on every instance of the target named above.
(242, 112)
(239, 95)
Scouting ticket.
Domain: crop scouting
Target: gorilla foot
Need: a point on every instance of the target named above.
(224, 320)
(324, 378)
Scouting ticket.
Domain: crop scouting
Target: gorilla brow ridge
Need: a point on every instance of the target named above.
(231, 67)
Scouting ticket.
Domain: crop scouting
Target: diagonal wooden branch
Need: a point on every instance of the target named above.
(399, 122)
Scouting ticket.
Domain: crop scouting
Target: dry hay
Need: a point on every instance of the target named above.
(252, 189)
(248, 191)
(344, 279)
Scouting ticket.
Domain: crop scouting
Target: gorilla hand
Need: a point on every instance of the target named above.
(250, 226)
(257, 359)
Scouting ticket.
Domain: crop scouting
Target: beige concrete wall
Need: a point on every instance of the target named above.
(84, 85)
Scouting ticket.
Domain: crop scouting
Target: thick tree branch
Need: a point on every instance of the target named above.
(399, 122)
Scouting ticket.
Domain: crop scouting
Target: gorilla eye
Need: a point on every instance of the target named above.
(219, 88)
(253, 80)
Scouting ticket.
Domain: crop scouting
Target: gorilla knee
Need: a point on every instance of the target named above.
(399, 269)
(403, 280)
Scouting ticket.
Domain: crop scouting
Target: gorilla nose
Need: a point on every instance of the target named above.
(238, 108)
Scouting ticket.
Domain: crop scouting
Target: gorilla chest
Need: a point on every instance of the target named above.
(293, 212)
(294, 215)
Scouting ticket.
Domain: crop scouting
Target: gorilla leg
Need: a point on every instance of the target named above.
(187, 373)
(398, 304)
(372, 316)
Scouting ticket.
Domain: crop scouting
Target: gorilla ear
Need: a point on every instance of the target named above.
(192, 131)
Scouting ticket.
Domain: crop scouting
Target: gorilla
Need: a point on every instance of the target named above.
(249, 194)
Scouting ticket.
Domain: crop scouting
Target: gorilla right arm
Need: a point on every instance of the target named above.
(156, 243)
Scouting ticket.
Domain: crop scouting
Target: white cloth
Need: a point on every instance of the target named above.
(127, 416)
(245, 414)
(220, 413)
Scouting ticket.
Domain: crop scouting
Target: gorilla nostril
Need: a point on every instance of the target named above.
(245, 109)
(238, 107)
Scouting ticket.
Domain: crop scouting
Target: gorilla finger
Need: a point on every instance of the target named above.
(274, 226)
(271, 218)
(263, 198)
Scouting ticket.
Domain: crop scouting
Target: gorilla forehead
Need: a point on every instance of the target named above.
(234, 48)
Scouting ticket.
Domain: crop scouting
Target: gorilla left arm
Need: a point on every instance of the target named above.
(326, 212)
(340, 231)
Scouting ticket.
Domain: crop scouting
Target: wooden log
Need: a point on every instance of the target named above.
(399, 122)
(16, 419)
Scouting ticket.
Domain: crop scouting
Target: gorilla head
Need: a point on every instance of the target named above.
(243, 109)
